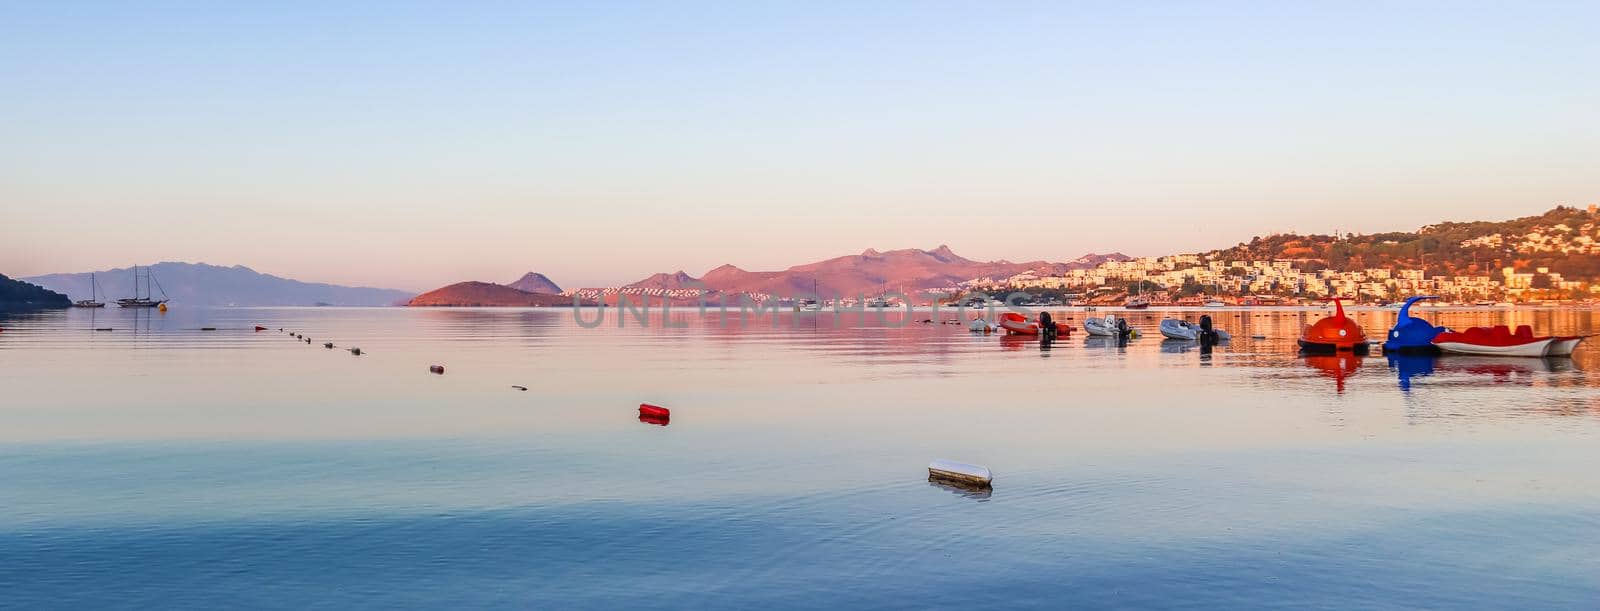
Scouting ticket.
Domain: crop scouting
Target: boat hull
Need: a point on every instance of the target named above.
(1099, 329)
(1536, 348)
(1022, 328)
(1313, 347)
(1563, 346)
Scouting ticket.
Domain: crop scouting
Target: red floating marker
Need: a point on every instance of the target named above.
(261, 329)
(439, 369)
(654, 411)
(656, 420)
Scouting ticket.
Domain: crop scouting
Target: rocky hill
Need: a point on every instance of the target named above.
(18, 295)
(470, 294)
(534, 282)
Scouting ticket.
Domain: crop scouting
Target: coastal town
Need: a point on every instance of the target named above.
(1190, 280)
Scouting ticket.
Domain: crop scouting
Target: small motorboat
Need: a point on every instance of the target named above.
(1017, 324)
(1137, 303)
(1337, 333)
(1498, 340)
(1174, 328)
(1410, 334)
(1110, 326)
(981, 325)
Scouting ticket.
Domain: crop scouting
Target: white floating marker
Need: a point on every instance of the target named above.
(960, 472)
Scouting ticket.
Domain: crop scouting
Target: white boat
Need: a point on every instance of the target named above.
(1216, 304)
(1102, 327)
(1173, 328)
(1534, 348)
(981, 325)
(1497, 341)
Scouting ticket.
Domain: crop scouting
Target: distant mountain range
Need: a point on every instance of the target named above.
(18, 295)
(870, 273)
(212, 285)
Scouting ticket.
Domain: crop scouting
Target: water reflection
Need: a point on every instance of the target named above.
(161, 461)
(1410, 366)
(1339, 367)
(976, 493)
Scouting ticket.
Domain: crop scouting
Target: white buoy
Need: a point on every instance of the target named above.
(949, 470)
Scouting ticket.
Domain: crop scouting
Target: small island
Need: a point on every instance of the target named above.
(19, 295)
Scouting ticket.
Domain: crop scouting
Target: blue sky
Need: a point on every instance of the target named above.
(411, 145)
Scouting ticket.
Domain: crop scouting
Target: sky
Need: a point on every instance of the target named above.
(411, 145)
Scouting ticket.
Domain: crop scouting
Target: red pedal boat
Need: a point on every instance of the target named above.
(1337, 333)
(1500, 341)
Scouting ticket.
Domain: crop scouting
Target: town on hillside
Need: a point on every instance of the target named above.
(1553, 257)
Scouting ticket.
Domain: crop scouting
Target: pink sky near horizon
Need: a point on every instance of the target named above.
(412, 147)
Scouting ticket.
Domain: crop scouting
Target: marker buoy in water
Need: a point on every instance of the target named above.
(654, 411)
(260, 329)
(519, 387)
(208, 328)
(104, 329)
(959, 472)
(656, 420)
(308, 340)
(355, 351)
(328, 345)
(439, 369)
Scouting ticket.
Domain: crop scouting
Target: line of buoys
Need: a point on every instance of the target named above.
(960, 472)
(439, 369)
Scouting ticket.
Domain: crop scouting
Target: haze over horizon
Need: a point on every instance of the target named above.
(409, 147)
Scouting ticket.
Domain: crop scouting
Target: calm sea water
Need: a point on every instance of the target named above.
(160, 466)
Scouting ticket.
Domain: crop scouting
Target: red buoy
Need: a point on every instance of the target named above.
(261, 328)
(654, 411)
(439, 369)
(655, 420)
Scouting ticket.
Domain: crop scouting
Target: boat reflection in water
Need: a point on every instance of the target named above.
(1338, 366)
(1408, 366)
(974, 492)
(1101, 341)
(1499, 370)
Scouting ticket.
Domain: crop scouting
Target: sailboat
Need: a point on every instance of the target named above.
(148, 300)
(94, 296)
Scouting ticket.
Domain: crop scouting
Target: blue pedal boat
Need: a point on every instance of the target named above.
(1411, 334)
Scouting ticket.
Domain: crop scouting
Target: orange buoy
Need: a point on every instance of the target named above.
(654, 411)
(439, 369)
